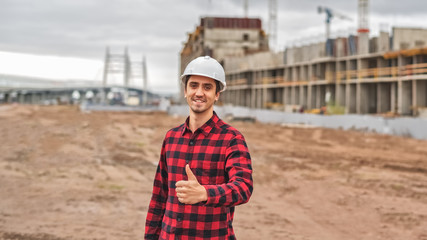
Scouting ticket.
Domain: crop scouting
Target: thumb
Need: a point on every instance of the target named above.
(190, 174)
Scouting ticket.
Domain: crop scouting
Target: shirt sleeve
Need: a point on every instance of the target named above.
(157, 205)
(239, 187)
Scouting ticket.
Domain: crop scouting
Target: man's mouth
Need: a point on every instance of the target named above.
(198, 100)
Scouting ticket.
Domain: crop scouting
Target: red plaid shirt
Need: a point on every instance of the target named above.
(219, 158)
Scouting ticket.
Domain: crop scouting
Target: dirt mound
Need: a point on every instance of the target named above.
(66, 174)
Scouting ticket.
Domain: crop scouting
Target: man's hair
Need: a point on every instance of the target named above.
(218, 87)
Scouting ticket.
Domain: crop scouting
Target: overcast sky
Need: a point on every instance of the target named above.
(74, 33)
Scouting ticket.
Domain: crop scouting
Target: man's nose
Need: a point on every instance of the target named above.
(199, 91)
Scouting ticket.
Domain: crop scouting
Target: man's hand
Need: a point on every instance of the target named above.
(190, 191)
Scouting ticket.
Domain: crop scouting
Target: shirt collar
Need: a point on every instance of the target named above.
(205, 128)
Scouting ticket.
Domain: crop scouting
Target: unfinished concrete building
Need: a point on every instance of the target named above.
(380, 75)
(221, 37)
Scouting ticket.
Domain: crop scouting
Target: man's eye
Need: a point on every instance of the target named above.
(208, 87)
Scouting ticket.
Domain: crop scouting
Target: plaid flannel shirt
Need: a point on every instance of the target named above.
(219, 158)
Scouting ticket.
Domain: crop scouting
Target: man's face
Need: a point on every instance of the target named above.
(201, 93)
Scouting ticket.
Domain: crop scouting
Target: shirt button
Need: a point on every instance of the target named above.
(179, 219)
(191, 142)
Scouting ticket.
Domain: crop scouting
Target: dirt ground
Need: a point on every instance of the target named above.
(66, 174)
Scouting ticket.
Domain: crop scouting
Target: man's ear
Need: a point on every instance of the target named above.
(217, 96)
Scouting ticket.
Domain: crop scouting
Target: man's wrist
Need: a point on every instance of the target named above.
(204, 194)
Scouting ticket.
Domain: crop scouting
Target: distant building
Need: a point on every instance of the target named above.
(383, 74)
(221, 37)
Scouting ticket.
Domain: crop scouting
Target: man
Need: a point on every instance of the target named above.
(204, 169)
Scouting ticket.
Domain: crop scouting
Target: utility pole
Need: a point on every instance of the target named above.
(145, 81)
(105, 76)
(127, 68)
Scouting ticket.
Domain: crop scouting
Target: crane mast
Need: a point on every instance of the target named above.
(245, 8)
(363, 16)
(272, 22)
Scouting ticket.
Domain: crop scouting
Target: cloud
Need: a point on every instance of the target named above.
(157, 28)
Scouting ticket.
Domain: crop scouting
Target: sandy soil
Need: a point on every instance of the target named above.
(66, 174)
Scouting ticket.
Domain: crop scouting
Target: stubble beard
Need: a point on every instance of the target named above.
(201, 109)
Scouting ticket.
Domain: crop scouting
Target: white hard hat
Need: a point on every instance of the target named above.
(207, 67)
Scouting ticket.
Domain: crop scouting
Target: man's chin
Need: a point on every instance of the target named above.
(198, 110)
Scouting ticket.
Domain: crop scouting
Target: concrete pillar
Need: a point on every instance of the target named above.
(264, 96)
(21, 98)
(33, 98)
(310, 96)
(393, 97)
(414, 104)
(286, 74)
(245, 98)
(363, 43)
(372, 97)
(399, 87)
(6, 97)
(318, 96)
(379, 98)
(406, 96)
(294, 74)
(253, 97)
(386, 97)
(234, 96)
(340, 94)
(383, 42)
(347, 98)
(292, 92)
(358, 98)
(352, 98)
(309, 87)
(248, 94)
(258, 98)
(238, 96)
(422, 93)
(303, 96)
(358, 87)
(297, 95)
(337, 82)
(43, 97)
(283, 97)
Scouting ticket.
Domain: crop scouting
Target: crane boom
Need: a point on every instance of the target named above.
(329, 15)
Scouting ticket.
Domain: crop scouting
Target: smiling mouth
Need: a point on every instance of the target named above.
(198, 101)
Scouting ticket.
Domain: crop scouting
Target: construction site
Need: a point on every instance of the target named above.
(358, 74)
(71, 172)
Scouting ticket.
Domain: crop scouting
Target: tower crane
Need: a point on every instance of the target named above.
(329, 15)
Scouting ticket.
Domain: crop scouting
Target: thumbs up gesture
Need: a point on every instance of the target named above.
(190, 191)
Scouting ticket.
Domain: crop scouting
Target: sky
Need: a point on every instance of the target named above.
(66, 39)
